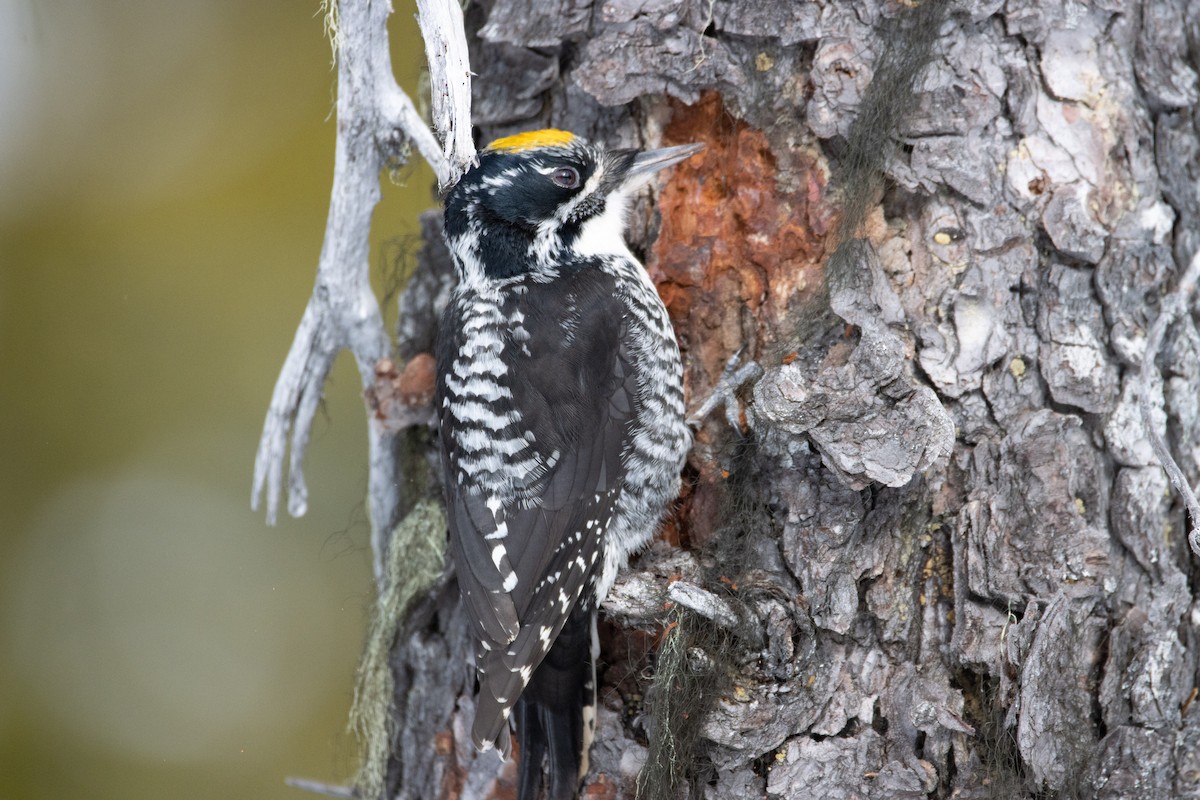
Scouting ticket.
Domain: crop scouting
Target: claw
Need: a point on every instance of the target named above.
(734, 377)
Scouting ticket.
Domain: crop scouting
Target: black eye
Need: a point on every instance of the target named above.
(566, 177)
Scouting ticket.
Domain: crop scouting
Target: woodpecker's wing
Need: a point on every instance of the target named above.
(530, 497)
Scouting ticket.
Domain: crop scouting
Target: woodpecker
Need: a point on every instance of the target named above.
(561, 424)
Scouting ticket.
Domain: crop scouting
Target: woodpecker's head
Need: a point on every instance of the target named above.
(539, 199)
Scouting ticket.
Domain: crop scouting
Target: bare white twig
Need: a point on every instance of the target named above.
(450, 76)
(376, 121)
(703, 602)
(1174, 304)
(316, 787)
(397, 113)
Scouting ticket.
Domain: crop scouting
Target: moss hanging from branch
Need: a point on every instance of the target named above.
(415, 561)
(698, 657)
(907, 47)
(689, 680)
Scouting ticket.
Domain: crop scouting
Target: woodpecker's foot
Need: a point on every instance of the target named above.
(735, 376)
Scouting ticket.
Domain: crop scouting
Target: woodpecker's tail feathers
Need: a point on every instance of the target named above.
(555, 715)
(492, 711)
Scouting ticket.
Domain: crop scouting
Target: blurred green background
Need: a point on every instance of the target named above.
(164, 180)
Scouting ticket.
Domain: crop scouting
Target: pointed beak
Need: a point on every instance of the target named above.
(647, 162)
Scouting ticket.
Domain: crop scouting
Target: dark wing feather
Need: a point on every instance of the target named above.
(566, 574)
(490, 607)
(470, 521)
(571, 385)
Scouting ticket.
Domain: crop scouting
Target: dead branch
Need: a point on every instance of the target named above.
(376, 124)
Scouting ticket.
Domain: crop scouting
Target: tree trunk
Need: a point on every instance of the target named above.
(936, 556)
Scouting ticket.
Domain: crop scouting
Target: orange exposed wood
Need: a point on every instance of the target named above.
(738, 255)
(735, 242)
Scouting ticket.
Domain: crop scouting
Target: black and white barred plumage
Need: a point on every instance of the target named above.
(560, 401)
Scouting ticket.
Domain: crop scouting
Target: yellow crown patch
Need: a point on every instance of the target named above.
(532, 139)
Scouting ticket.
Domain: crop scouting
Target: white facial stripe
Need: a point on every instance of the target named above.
(589, 188)
(604, 234)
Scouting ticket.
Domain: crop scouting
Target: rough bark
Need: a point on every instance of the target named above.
(942, 560)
